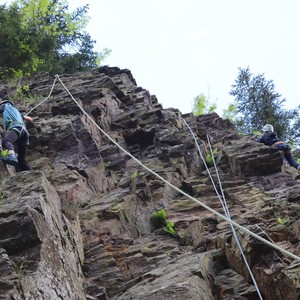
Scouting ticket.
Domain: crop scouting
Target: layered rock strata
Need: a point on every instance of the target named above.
(81, 225)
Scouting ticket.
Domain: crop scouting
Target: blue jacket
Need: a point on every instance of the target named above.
(269, 138)
(11, 117)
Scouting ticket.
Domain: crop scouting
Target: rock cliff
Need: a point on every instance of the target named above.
(88, 222)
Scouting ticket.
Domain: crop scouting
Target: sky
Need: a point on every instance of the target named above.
(178, 49)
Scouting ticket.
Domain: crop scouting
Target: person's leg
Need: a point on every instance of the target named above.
(8, 142)
(22, 142)
(289, 156)
(9, 139)
(290, 159)
(23, 165)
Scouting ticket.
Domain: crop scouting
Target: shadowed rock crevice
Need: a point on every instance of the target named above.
(140, 137)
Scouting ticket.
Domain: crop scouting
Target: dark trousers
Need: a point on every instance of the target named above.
(288, 154)
(21, 140)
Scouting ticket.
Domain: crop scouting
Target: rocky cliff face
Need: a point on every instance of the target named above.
(81, 225)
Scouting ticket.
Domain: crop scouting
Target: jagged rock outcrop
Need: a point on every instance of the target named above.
(80, 225)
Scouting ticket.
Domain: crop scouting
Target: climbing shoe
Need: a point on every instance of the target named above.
(4, 152)
(10, 159)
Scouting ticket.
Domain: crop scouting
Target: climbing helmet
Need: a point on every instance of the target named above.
(268, 128)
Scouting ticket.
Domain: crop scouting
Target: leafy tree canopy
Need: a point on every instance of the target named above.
(257, 103)
(230, 113)
(201, 105)
(43, 35)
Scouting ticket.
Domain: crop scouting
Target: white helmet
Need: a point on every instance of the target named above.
(268, 128)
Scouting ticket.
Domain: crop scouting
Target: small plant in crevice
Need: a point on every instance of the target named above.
(209, 158)
(136, 174)
(169, 228)
(67, 233)
(20, 269)
(186, 240)
(282, 221)
(23, 93)
(159, 220)
(107, 164)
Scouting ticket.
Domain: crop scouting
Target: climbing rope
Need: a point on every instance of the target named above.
(222, 200)
(44, 99)
(226, 210)
(245, 230)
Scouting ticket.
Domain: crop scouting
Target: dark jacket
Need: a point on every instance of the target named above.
(269, 138)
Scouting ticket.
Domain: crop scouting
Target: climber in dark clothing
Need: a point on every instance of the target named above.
(270, 138)
(16, 132)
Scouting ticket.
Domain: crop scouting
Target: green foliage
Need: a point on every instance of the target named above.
(22, 91)
(169, 228)
(294, 133)
(24, 95)
(201, 105)
(43, 35)
(282, 221)
(107, 164)
(158, 220)
(136, 174)
(230, 113)
(67, 233)
(257, 103)
(209, 159)
(103, 56)
(257, 133)
(186, 240)
(20, 269)
(160, 215)
(16, 57)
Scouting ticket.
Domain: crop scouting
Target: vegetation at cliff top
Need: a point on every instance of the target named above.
(256, 103)
(43, 35)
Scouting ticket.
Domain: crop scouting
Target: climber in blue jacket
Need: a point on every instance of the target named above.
(16, 132)
(270, 138)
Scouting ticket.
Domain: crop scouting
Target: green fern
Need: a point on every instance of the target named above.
(160, 214)
(282, 221)
(136, 174)
(158, 218)
(169, 228)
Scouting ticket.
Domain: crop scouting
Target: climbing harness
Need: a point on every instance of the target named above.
(228, 220)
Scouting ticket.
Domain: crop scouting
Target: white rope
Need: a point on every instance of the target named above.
(45, 98)
(226, 210)
(177, 189)
(223, 202)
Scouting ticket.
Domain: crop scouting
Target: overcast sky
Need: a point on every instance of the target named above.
(178, 49)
